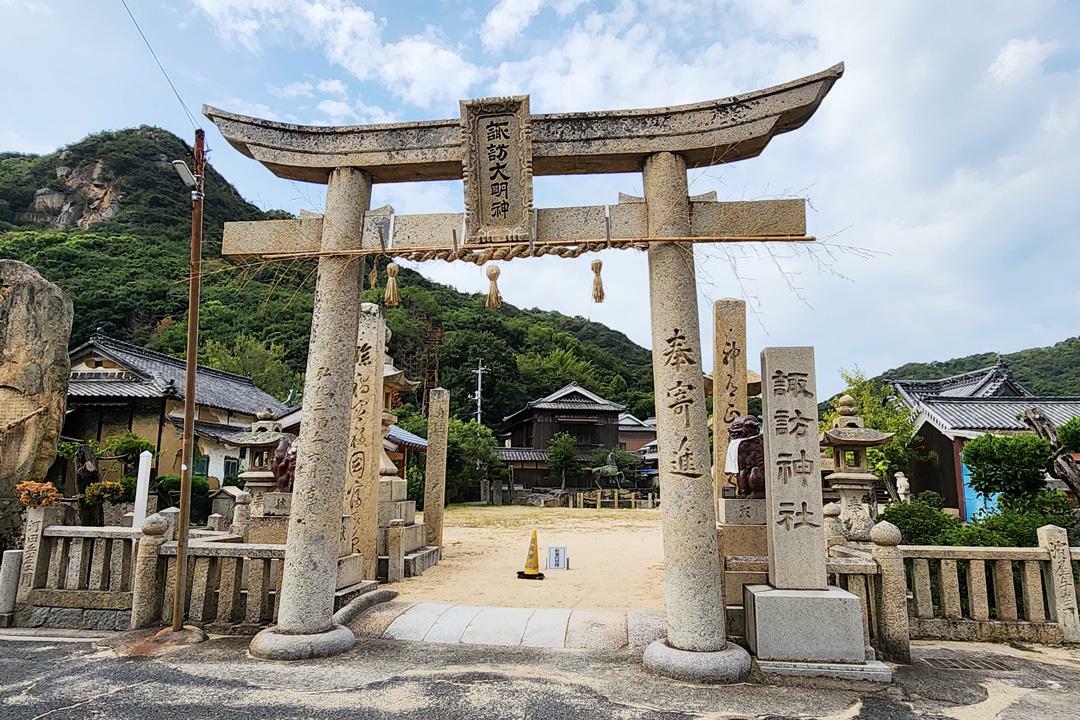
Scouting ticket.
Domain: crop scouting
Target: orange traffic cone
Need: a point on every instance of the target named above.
(532, 563)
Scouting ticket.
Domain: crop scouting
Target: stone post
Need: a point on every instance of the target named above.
(9, 584)
(695, 649)
(142, 488)
(360, 501)
(35, 559)
(793, 509)
(892, 609)
(241, 515)
(216, 522)
(306, 627)
(435, 470)
(395, 541)
(147, 580)
(1062, 595)
(729, 379)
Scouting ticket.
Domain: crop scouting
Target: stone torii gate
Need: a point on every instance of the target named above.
(497, 146)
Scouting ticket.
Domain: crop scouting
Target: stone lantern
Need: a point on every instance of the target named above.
(261, 442)
(851, 478)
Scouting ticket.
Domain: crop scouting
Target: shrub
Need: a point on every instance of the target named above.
(171, 483)
(1069, 435)
(931, 498)
(973, 535)
(234, 481)
(35, 494)
(130, 486)
(1013, 465)
(101, 492)
(919, 523)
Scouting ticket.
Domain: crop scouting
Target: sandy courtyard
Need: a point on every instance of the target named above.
(616, 559)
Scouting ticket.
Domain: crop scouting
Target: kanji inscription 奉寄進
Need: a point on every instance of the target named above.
(497, 169)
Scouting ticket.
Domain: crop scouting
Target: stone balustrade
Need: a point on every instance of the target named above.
(994, 594)
(77, 577)
(233, 587)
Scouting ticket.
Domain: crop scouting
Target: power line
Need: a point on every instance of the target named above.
(191, 118)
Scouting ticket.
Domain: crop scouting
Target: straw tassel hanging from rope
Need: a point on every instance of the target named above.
(494, 299)
(597, 283)
(373, 276)
(390, 297)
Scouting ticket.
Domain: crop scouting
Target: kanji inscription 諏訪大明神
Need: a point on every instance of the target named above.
(497, 170)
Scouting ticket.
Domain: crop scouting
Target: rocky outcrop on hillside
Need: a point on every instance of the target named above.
(89, 196)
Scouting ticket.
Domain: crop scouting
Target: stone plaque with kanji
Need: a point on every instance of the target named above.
(497, 169)
(793, 519)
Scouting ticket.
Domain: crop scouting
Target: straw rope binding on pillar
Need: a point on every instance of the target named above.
(373, 276)
(597, 283)
(390, 297)
(494, 299)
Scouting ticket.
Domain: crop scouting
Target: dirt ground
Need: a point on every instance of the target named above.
(616, 559)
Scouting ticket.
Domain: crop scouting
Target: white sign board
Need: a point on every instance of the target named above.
(558, 559)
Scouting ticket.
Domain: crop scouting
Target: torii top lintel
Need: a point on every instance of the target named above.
(616, 141)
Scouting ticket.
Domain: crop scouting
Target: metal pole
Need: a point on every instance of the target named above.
(191, 358)
(479, 371)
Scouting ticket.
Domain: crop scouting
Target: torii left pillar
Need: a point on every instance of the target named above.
(306, 627)
(696, 648)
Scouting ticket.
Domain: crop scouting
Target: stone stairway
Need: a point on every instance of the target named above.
(395, 505)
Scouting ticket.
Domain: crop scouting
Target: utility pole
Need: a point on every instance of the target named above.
(479, 372)
(191, 358)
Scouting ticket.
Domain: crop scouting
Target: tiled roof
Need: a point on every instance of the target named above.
(992, 381)
(520, 454)
(996, 413)
(209, 430)
(406, 438)
(569, 397)
(153, 374)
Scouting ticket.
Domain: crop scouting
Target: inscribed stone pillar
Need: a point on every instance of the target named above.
(794, 519)
(435, 470)
(306, 626)
(729, 378)
(361, 497)
(695, 606)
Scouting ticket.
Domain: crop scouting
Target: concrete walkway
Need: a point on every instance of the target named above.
(512, 627)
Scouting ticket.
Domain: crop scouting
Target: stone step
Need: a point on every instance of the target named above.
(413, 538)
(415, 562)
(346, 595)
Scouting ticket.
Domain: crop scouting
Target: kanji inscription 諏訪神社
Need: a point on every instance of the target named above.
(794, 518)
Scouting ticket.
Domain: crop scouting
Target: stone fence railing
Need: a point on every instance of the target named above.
(75, 576)
(994, 594)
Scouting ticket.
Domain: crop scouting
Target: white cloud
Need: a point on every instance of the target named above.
(1019, 59)
(419, 69)
(506, 21)
(567, 7)
(338, 111)
(331, 87)
(300, 88)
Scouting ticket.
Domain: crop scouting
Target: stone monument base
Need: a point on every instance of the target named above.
(740, 511)
(730, 665)
(804, 626)
(870, 671)
(273, 645)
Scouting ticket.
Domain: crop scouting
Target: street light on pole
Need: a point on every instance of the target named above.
(193, 180)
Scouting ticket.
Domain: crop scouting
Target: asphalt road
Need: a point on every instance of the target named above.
(392, 679)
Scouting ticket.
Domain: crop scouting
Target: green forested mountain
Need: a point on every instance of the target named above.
(108, 221)
(1053, 370)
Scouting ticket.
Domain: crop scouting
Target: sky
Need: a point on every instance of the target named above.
(941, 171)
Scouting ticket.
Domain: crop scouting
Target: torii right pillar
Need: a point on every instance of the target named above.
(696, 649)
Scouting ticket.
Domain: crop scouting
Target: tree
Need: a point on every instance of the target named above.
(470, 457)
(1012, 465)
(562, 457)
(880, 410)
(263, 362)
